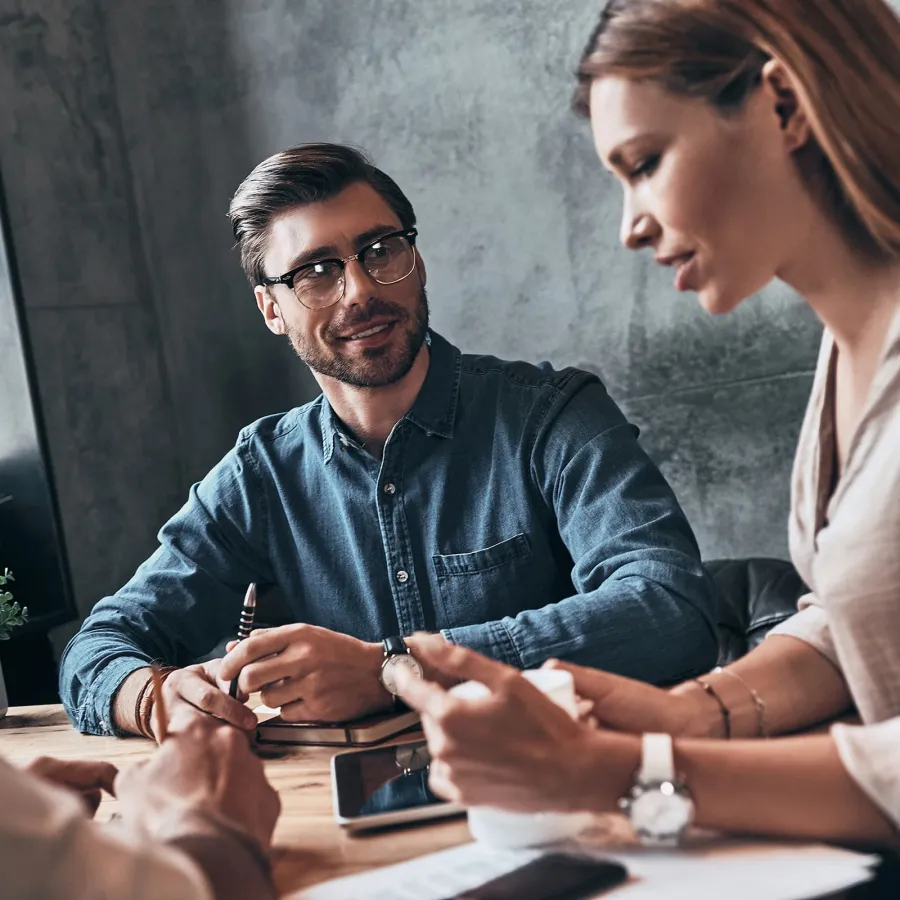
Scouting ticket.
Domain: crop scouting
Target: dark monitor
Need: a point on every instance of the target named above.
(31, 540)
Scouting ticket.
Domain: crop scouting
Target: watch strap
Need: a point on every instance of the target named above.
(394, 646)
(657, 759)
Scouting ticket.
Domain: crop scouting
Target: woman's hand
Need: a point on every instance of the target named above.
(86, 778)
(623, 704)
(514, 749)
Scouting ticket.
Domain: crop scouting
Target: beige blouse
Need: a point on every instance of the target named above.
(845, 544)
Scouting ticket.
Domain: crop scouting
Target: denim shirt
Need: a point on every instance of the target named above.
(513, 510)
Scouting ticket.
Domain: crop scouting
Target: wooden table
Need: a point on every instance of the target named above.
(309, 846)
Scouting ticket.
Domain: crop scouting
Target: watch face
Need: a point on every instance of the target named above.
(659, 814)
(392, 663)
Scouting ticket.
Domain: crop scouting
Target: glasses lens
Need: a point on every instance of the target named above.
(319, 284)
(389, 260)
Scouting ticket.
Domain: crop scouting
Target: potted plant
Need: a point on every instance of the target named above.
(11, 616)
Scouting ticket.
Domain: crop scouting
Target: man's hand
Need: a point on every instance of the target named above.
(202, 688)
(85, 778)
(313, 674)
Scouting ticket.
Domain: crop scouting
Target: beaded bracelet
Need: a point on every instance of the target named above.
(759, 705)
(726, 715)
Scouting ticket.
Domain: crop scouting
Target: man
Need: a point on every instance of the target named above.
(501, 506)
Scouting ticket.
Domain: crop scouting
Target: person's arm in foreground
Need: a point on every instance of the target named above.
(642, 605)
(193, 846)
(516, 749)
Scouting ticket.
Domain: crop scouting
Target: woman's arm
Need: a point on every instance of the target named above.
(792, 787)
(798, 686)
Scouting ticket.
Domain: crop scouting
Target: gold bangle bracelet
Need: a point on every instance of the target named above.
(758, 703)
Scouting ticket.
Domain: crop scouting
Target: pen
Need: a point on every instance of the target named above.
(248, 613)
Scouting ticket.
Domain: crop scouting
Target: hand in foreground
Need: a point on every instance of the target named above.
(313, 674)
(624, 704)
(202, 771)
(515, 749)
(201, 688)
(87, 779)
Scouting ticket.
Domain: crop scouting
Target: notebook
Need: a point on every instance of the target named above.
(356, 733)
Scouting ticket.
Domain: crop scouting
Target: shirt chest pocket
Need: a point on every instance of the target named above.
(485, 584)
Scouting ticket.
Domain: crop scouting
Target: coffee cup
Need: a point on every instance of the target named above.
(507, 830)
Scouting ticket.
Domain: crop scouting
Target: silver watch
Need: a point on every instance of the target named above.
(659, 804)
(397, 655)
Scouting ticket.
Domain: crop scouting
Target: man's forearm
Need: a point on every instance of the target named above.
(629, 626)
(232, 871)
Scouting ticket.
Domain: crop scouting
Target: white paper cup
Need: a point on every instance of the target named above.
(502, 829)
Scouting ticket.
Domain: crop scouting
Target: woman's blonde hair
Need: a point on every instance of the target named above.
(844, 56)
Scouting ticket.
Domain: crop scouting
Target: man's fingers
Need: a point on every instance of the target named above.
(270, 671)
(204, 696)
(465, 665)
(261, 643)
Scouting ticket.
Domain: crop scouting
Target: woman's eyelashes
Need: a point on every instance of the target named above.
(647, 166)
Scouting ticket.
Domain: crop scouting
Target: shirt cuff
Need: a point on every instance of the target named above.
(490, 639)
(96, 716)
(810, 625)
(869, 754)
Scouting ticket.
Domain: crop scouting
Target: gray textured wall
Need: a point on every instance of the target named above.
(126, 126)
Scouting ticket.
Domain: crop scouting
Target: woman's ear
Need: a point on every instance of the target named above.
(269, 308)
(787, 104)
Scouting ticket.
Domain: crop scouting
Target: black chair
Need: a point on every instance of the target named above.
(754, 595)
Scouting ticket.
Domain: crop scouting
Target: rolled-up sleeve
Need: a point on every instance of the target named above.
(810, 624)
(870, 755)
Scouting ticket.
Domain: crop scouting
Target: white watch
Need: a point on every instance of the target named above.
(659, 804)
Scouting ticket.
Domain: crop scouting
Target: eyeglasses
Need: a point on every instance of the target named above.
(320, 284)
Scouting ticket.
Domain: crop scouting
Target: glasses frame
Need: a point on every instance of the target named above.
(288, 278)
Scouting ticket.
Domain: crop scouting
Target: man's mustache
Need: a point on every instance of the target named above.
(362, 316)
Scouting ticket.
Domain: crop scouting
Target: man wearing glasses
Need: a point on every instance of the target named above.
(499, 505)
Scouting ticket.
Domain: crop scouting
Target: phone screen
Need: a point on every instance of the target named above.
(383, 780)
(556, 876)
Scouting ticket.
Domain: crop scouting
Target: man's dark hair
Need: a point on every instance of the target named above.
(304, 174)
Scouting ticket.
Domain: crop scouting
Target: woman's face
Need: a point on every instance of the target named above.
(718, 198)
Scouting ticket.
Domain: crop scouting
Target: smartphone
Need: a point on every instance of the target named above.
(556, 876)
(385, 786)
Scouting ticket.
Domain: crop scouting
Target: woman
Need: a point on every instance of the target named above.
(754, 139)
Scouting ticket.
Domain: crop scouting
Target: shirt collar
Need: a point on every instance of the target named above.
(434, 410)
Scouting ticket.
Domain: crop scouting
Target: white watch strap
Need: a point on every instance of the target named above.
(658, 759)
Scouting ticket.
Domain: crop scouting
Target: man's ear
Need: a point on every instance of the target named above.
(420, 268)
(269, 308)
(788, 106)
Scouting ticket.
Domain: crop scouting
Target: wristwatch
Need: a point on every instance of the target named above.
(659, 804)
(397, 654)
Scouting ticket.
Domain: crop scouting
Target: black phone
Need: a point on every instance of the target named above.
(385, 786)
(556, 876)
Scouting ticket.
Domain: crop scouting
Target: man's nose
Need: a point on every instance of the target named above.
(358, 284)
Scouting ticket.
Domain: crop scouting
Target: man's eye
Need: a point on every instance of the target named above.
(646, 167)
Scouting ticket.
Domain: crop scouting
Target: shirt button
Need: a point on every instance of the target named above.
(403, 576)
(390, 489)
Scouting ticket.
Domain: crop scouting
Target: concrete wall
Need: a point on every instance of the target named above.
(126, 126)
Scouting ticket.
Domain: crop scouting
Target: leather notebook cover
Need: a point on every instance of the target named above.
(356, 733)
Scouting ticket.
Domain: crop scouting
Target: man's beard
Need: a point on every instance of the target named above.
(379, 366)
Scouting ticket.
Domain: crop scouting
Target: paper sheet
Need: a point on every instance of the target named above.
(705, 870)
